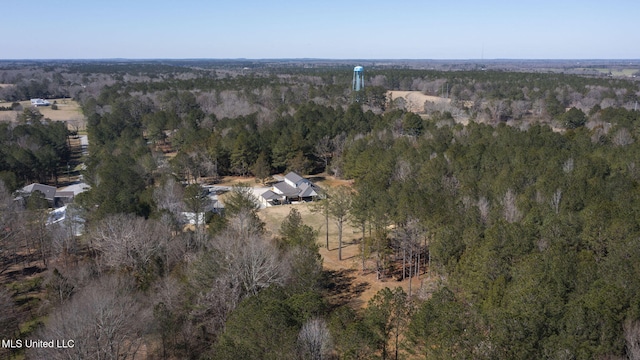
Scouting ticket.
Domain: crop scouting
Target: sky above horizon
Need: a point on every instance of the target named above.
(331, 29)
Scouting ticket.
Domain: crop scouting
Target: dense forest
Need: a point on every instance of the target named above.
(519, 198)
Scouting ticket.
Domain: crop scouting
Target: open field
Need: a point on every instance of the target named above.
(416, 99)
(628, 72)
(68, 110)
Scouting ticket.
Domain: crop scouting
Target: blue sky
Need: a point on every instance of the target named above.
(331, 29)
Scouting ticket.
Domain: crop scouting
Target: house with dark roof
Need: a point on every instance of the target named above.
(55, 198)
(293, 188)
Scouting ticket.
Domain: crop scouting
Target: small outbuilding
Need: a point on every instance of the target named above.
(40, 102)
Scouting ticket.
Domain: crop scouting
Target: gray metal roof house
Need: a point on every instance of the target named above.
(49, 192)
(293, 188)
(54, 197)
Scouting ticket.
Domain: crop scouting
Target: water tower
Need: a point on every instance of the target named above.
(358, 78)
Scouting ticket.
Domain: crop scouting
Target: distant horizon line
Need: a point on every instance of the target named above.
(315, 59)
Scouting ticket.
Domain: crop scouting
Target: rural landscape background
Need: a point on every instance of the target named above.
(475, 209)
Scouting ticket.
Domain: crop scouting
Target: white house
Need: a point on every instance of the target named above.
(293, 188)
(40, 102)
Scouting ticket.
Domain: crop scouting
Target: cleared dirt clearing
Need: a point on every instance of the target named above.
(415, 99)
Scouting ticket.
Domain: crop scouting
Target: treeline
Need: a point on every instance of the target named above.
(498, 84)
(40, 87)
(229, 89)
(32, 150)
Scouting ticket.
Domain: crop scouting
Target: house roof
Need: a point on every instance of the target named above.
(76, 188)
(285, 189)
(49, 192)
(270, 195)
(214, 205)
(307, 190)
(294, 186)
(294, 178)
(64, 194)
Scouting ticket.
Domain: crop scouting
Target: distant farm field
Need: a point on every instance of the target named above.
(68, 110)
(617, 72)
(628, 72)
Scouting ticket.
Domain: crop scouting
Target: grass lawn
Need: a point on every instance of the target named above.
(68, 110)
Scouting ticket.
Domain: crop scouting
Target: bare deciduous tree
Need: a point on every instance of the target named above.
(410, 236)
(608, 102)
(207, 101)
(197, 202)
(314, 340)
(221, 299)
(35, 233)
(622, 137)
(510, 209)
(484, 207)
(324, 150)
(402, 171)
(245, 224)
(339, 143)
(257, 265)
(378, 80)
(104, 320)
(538, 107)
(64, 235)
(8, 315)
(59, 287)
(519, 108)
(253, 262)
(169, 196)
(567, 166)
(500, 109)
(555, 200)
(632, 339)
(123, 241)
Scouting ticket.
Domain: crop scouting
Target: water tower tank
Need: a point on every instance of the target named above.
(358, 78)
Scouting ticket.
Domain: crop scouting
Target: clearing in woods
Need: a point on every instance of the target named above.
(351, 285)
(68, 110)
(415, 99)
